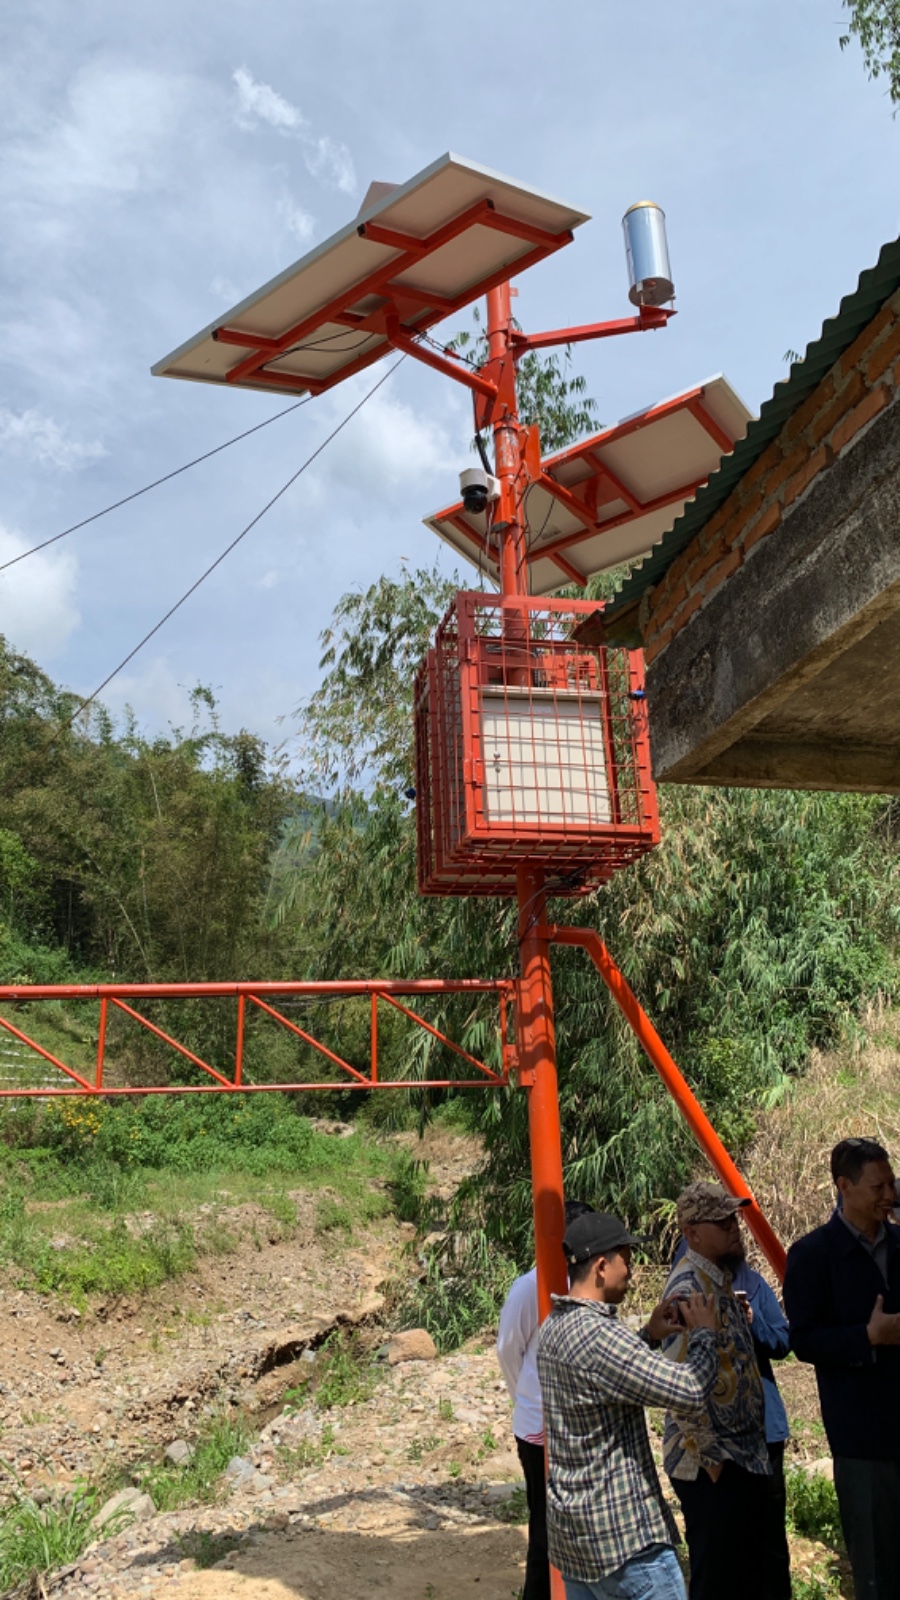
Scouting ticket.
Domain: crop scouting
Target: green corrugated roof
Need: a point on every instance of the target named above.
(857, 309)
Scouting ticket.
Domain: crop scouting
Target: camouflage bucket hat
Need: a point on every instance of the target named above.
(707, 1202)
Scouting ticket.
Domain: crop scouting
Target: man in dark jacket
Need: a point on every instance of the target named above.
(842, 1297)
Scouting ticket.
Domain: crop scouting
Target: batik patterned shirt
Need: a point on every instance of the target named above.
(732, 1425)
(604, 1502)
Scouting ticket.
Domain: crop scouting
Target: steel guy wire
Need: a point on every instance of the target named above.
(221, 557)
(154, 485)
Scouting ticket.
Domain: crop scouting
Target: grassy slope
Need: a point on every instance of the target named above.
(851, 1091)
(98, 1199)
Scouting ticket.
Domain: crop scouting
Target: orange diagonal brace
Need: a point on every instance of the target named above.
(167, 1039)
(713, 428)
(308, 1038)
(456, 1048)
(39, 1049)
(687, 1103)
(670, 498)
(403, 340)
(568, 499)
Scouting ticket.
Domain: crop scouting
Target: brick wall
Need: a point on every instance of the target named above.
(858, 387)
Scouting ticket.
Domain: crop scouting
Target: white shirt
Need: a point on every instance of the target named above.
(517, 1340)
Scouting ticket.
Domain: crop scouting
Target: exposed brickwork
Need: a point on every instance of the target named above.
(861, 383)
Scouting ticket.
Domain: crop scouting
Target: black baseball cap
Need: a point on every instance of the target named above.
(596, 1234)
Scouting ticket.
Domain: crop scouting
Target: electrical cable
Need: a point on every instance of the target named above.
(447, 350)
(155, 484)
(535, 538)
(226, 552)
(322, 344)
(485, 459)
(565, 880)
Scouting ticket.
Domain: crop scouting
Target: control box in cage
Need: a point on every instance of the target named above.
(531, 748)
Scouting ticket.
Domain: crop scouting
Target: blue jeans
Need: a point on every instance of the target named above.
(653, 1575)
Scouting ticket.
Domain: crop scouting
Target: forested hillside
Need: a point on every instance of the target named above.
(146, 859)
(752, 934)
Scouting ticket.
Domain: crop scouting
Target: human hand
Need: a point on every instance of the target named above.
(664, 1319)
(698, 1311)
(883, 1326)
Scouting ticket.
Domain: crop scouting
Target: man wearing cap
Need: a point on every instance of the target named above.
(611, 1533)
(842, 1297)
(517, 1340)
(718, 1462)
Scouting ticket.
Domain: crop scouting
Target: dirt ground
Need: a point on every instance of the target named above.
(415, 1492)
(80, 1392)
(482, 1563)
(416, 1488)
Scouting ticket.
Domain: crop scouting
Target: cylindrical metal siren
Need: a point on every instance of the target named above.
(650, 275)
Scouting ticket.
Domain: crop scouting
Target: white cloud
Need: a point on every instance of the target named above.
(260, 102)
(158, 691)
(39, 438)
(389, 447)
(297, 221)
(108, 140)
(37, 613)
(332, 163)
(224, 289)
(326, 159)
(155, 691)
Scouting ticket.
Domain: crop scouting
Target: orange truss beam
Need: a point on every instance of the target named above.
(391, 992)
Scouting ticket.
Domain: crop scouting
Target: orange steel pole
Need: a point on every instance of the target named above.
(101, 1044)
(537, 1038)
(687, 1103)
(539, 1072)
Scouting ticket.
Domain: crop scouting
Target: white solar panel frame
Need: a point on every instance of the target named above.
(652, 459)
(430, 200)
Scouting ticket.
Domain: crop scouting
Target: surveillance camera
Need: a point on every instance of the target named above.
(478, 487)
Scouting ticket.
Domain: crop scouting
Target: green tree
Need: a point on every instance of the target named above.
(145, 857)
(357, 726)
(876, 24)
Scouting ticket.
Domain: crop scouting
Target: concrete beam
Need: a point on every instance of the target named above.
(754, 763)
(804, 598)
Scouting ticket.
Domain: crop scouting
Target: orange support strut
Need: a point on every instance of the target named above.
(687, 1103)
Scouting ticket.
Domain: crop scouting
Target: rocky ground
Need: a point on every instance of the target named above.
(80, 1393)
(416, 1491)
(409, 1490)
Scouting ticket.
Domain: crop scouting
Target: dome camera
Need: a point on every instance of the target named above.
(477, 488)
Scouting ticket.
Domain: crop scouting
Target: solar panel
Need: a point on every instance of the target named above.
(417, 252)
(611, 497)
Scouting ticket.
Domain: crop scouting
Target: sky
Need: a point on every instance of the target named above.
(162, 159)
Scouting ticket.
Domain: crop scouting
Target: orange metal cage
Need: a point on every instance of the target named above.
(531, 748)
(264, 999)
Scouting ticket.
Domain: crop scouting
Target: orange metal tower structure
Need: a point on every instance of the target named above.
(524, 855)
(416, 253)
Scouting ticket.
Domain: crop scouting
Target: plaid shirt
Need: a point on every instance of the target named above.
(733, 1425)
(604, 1502)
